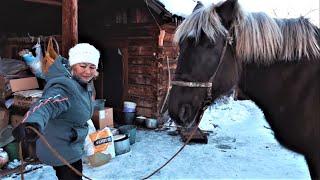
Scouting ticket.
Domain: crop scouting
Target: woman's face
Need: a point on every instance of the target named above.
(84, 71)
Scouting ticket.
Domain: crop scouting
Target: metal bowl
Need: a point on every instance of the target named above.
(121, 144)
(151, 123)
(140, 120)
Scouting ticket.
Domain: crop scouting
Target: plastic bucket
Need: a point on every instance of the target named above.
(127, 109)
(13, 150)
(130, 131)
(99, 104)
(129, 106)
(129, 117)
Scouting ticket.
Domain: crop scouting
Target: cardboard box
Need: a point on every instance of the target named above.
(4, 118)
(24, 99)
(23, 84)
(9, 85)
(15, 120)
(103, 118)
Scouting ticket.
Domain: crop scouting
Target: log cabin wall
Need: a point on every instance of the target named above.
(130, 27)
(167, 57)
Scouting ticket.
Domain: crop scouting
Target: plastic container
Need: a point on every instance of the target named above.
(129, 106)
(130, 131)
(126, 109)
(129, 117)
(13, 150)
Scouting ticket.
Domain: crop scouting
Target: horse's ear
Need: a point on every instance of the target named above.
(227, 11)
(198, 6)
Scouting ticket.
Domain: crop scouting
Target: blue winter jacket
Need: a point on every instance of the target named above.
(62, 113)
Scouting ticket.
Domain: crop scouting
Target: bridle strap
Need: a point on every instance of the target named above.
(192, 84)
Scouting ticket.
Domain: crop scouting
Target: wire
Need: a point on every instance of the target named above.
(146, 1)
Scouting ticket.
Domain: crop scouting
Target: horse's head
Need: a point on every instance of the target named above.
(206, 57)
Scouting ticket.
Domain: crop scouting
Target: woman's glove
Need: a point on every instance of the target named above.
(22, 133)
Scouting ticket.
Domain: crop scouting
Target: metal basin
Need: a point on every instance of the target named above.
(121, 144)
(151, 123)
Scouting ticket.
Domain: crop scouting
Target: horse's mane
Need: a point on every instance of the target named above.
(201, 20)
(258, 37)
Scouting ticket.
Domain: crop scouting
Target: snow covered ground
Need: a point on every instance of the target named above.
(240, 147)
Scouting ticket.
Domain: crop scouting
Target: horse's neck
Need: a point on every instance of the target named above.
(282, 88)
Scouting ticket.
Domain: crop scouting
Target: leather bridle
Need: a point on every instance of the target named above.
(205, 103)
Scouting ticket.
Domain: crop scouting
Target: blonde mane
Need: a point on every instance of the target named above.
(202, 20)
(258, 37)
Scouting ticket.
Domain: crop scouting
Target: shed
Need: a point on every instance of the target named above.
(134, 37)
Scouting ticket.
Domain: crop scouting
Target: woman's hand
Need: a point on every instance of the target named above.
(23, 133)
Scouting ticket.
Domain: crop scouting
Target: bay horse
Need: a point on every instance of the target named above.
(275, 62)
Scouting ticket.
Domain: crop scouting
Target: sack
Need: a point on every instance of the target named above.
(50, 55)
(100, 141)
(34, 62)
(99, 146)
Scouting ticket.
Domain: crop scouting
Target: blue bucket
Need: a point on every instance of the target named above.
(129, 117)
(130, 131)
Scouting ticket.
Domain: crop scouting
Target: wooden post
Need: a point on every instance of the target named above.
(69, 25)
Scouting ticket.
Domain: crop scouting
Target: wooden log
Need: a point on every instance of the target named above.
(136, 69)
(143, 41)
(142, 79)
(48, 2)
(142, 60)
(141, 90)
(147, 112)
(198, 136)
(141, 50)
(69, 25)
(143, 101)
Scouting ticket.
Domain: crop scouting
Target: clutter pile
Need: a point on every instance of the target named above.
(104, 141)
(20, 82)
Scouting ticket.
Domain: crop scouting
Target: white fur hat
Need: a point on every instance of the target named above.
(84, 53)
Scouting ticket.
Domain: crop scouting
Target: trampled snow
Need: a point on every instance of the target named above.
(241, 146)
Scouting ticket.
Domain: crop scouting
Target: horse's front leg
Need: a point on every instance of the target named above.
(314, 165)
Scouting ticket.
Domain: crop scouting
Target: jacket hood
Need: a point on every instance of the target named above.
(59, 68)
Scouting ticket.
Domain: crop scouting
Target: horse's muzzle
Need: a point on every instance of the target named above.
(185, 113)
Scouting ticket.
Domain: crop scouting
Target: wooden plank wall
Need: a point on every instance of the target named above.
(167, 57)
(148, 72)
(142, 74)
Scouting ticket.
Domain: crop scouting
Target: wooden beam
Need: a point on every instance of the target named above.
(49, 2)
(69, 25)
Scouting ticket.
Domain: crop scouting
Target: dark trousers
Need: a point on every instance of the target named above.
(65, 173)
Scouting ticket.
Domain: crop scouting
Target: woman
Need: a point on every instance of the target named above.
(63, 110)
